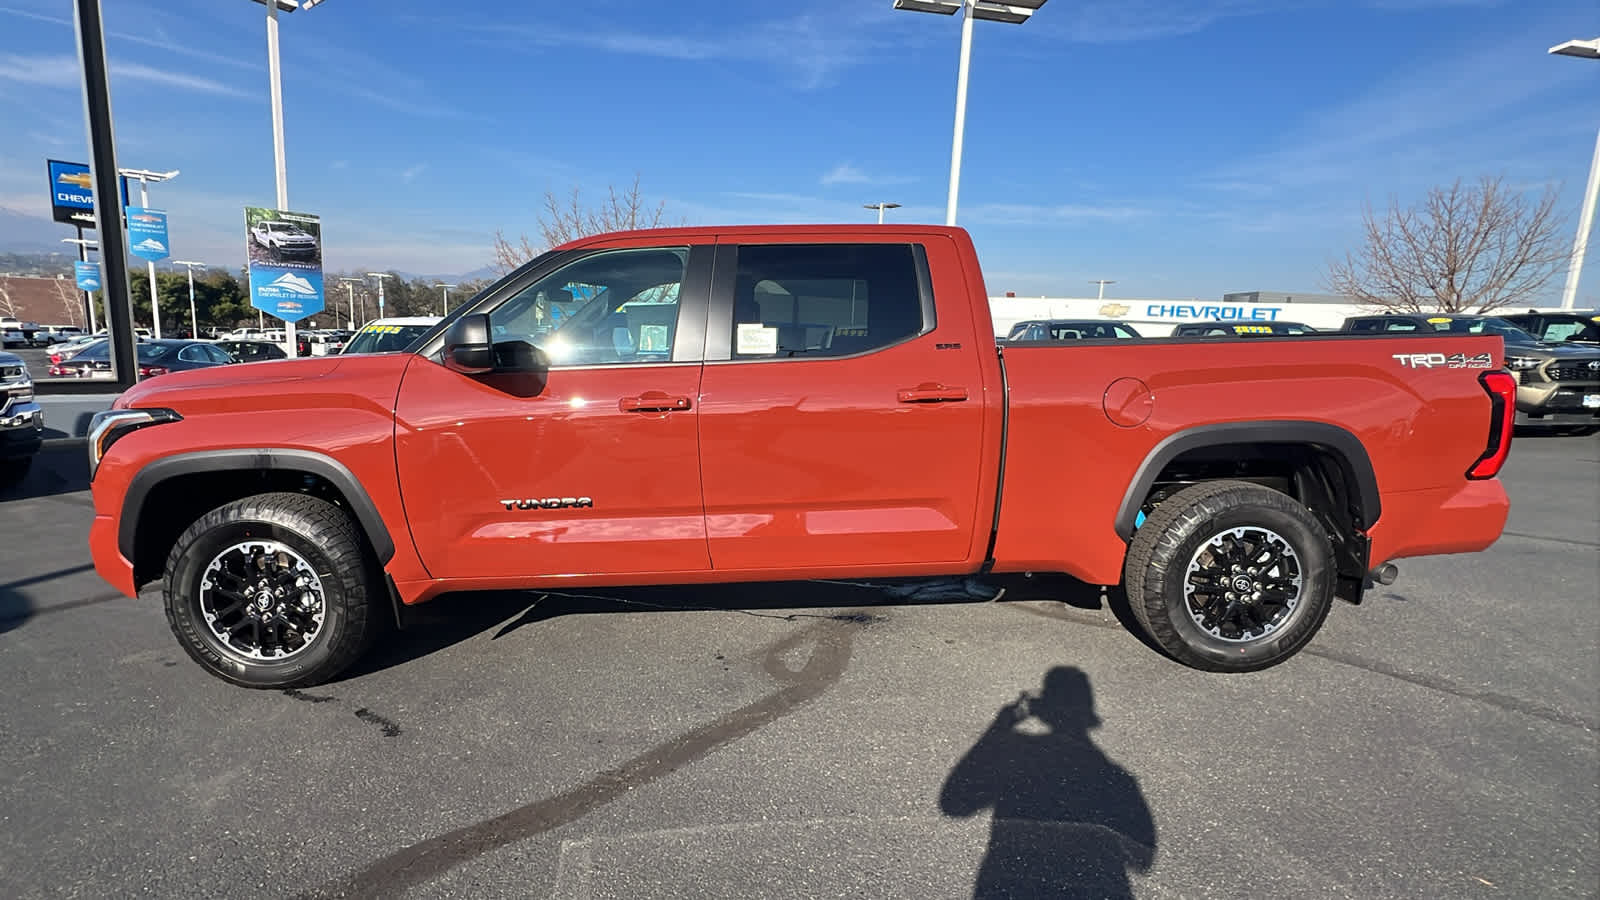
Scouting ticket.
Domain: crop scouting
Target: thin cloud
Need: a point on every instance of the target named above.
(63, 72)
(811, 49)
(845, 173)
(148, 41)
(410, 175)
(1117, 21)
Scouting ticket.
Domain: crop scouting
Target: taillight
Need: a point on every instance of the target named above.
(149, 371)
(1502, 390)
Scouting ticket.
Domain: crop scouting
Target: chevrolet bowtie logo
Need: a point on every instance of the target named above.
(1114, 310)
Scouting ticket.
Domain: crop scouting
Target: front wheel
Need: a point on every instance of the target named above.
(1230, 576)
(272, 591)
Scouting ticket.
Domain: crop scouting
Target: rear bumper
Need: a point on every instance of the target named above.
(1462, 519)
(108, 559)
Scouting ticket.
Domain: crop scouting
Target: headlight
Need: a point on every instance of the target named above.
(1522, 363)
(107, 427)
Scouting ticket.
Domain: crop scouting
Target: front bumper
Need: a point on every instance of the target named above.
(1559, 398)
(21, 430)
(108, 559)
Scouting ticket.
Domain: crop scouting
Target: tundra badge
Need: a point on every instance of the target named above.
(550, 503)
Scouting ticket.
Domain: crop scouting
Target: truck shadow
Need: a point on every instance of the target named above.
(452, 618)
(55, 470)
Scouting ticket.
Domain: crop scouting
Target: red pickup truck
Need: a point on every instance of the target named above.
(768, 403)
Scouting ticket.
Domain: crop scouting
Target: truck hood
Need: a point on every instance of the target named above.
(1551, 351)
(266, 384)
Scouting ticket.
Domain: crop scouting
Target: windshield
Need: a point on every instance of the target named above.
(386, 338)
(1485, 325)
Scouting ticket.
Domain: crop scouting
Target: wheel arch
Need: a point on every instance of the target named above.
(1339, 444)
(166, 495)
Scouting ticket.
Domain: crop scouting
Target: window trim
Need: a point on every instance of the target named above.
(719, 337)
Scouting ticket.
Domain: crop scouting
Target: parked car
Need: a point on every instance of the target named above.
(154, 358)
(1071, 330)
(16, 333)
(830, 406)
(55, 334)
(1557, 384)
(21, 421)
(1240, 329)
(390, 335)
(1559, 327)
(251, 351)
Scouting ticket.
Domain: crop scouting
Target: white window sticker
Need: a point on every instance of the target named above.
(757, 339)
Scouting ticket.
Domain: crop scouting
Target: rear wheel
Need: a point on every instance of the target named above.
(272, 591)
(1230, 576)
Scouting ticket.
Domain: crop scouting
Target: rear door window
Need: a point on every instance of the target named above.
(821, 300)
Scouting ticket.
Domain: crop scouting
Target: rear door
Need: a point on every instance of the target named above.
(841, 418)
(591, 466)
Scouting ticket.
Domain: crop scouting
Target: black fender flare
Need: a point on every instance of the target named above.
(1345, 445)
(254, 459)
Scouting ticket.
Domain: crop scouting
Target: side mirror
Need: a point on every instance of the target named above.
(468, 348)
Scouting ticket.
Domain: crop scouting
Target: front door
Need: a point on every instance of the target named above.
(591, 467)
(842, 426)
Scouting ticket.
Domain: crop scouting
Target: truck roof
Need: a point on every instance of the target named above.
(831, 232)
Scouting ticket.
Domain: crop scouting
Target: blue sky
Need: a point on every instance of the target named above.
(1181, 147)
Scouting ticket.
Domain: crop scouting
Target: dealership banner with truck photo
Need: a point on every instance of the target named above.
(285, 251)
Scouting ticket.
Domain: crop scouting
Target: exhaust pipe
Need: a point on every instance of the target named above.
(1385, 574)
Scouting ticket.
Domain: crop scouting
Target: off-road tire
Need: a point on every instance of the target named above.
(1157, 569)
(326, 538)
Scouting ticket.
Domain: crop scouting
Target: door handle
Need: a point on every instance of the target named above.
(930, 392)
(654, 401)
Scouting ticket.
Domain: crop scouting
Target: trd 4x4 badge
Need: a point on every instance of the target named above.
(550, 503)
(1441, 361)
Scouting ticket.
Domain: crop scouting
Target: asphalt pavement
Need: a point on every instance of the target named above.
(810, 741)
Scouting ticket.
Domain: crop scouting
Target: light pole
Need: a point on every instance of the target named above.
(880, 207)
(381, 276)
(275, 76)
(1580, 246)
(447, 287)
(144, 177)
(1014, 12)
(194, 320)
(84, 246)
(350, 299)
(1102, 282)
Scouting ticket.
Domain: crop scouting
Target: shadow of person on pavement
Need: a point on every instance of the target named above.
(1068, 822)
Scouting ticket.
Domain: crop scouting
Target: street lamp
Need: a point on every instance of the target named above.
(84, 246)
(1014, 12)
(144, 177)
(447, 287)
(194, 320)
(1580, 245)
(381, 276)
(275, 75)
(1102, 282)
(880, 207)
(350, 299)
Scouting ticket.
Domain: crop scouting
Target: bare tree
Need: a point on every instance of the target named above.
(71, 303)
(8, 306)
(1466, 247)
(567, 219)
